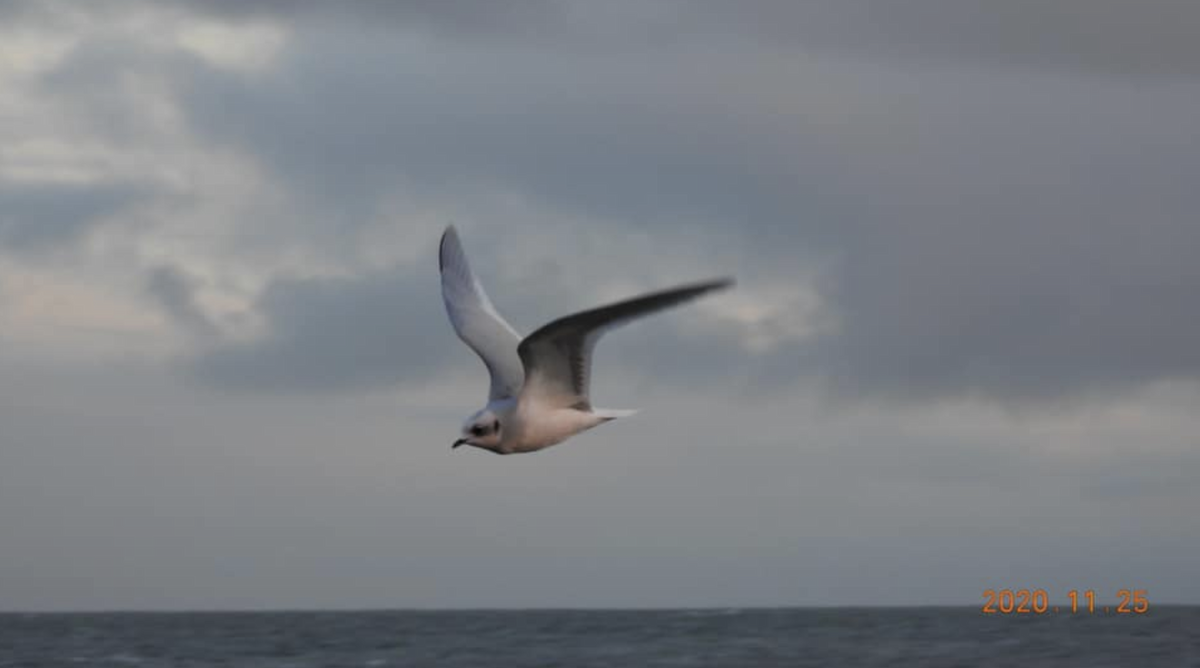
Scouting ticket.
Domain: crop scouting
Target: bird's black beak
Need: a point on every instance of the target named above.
(458, 443)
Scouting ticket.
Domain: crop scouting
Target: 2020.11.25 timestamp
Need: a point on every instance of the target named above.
(1037, 602)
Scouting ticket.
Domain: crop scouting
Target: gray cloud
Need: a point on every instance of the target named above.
(1102, 36)
(1155, 37)
(337, 333)
(38, 217)
(17, 9)
(1041, 261)
(1015, 235)
(442, 16)
(345, 124)
(98, 84)
(175, 293)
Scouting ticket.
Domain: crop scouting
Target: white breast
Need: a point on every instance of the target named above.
(537, 426)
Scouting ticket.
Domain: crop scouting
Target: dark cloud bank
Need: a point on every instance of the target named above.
(1013, 233)
(991, 216)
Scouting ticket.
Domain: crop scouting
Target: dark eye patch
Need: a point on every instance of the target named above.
(477, 431)
(496, 425)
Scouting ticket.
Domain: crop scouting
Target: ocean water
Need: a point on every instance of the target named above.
(1166, 636)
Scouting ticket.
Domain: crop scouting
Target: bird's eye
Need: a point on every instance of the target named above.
(477, 431)
(496, 425)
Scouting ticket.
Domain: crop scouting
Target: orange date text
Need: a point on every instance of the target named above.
(1037, 602)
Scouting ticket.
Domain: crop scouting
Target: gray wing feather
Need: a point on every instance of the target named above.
(476, 320)
(558, 356)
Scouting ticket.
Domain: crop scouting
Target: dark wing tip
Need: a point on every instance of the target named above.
(718, 283)
(449, 232)
(692, 290)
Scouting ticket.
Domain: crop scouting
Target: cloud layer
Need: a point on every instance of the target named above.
(965, 318)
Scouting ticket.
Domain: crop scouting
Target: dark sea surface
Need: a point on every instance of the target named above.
(1165, 636)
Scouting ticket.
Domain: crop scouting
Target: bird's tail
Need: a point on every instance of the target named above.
(607, 414)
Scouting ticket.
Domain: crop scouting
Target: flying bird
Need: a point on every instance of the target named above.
(539, 384)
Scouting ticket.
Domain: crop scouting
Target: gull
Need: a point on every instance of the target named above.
(538, 395)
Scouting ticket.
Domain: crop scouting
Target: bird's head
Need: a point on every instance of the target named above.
(481, 430)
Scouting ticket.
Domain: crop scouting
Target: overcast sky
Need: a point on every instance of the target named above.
(962, 352)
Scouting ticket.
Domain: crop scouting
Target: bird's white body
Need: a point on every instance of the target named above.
(539, 385)
(532, 425)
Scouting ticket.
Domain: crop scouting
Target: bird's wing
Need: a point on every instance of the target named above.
(558, 356)
(476, 320)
